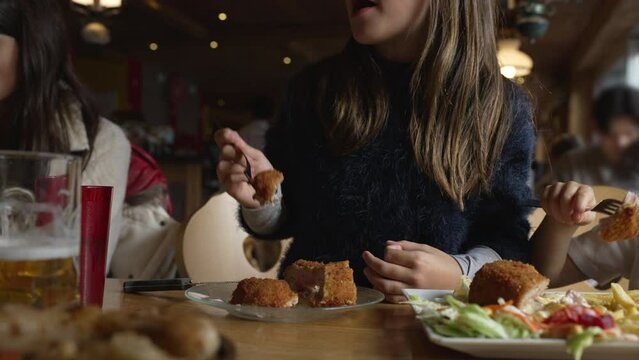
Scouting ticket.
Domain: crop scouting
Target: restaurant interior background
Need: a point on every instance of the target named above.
(173, 71)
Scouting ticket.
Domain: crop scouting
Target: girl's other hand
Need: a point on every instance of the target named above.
(569, 203)
(232, 165)
(409, 265)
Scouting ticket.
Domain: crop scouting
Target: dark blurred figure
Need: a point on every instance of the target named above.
(563, 144)
(560, 146)
(616, 113)
(263, 111)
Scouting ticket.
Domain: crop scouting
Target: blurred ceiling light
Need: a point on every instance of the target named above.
(153, 4)
(508, 71)
(110, 3)
(96, 33)
(221, 102)
(222, 16)
(287, 60)
(99, 4)
(214, 44)
(153, 46)
(513, 62)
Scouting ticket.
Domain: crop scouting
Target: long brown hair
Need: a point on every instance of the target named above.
(39, 106)
(461, 110)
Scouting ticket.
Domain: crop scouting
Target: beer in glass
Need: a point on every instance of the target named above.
(39, 228)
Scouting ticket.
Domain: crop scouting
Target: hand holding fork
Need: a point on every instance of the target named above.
(237, 165)
(572, 203)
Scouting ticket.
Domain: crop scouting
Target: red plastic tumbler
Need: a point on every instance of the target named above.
(94, 240)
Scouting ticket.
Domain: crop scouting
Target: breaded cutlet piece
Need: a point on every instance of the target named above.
(623, 225)
(304, 275)
(264, 292)
(265, 185)
(339, 285)
(506, 279)
(322, 285)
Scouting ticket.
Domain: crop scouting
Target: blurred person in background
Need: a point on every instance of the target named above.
(262, 112)
(148, 228)
(43, 106)
(616, 113)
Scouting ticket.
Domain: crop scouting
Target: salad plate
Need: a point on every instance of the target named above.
(518, 348)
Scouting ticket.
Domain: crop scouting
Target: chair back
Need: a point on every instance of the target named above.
(216, 248)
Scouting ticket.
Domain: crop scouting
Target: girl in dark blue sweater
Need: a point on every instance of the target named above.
(407, 154)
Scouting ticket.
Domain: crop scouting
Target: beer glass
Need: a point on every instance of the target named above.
(39, 228)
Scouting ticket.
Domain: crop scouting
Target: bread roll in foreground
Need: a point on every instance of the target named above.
(506, 279)
(88, 333)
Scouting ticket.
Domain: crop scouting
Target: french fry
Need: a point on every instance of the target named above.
(618, 315)
(604, 300)
(630, 327)
(621, 297)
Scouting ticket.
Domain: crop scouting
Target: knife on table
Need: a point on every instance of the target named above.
(135, 286)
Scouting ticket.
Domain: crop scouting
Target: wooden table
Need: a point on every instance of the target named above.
(382, 331)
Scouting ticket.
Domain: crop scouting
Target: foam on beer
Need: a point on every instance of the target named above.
(22, 239)
(23, 249)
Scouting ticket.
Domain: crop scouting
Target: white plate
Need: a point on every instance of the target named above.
(219, 295)
(522, 348)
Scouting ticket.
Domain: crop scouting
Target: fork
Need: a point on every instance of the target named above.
(248, 172)
(605, 206)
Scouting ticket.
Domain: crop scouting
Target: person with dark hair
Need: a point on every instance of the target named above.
(407, 154)
(43, 106)
(262, 112)
(616, 113)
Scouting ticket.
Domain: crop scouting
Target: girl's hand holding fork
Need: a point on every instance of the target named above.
(231, 168)
(569, 203)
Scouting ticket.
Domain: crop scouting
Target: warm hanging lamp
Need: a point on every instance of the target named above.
(513, 63)
(99, 4)
(95, 31)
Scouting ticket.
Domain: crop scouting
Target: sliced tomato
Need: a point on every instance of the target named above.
(581, 315)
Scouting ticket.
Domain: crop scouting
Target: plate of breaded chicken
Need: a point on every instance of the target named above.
(506, 312)
(309, 291)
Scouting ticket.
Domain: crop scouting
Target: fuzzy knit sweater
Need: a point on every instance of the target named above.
(338, 206)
